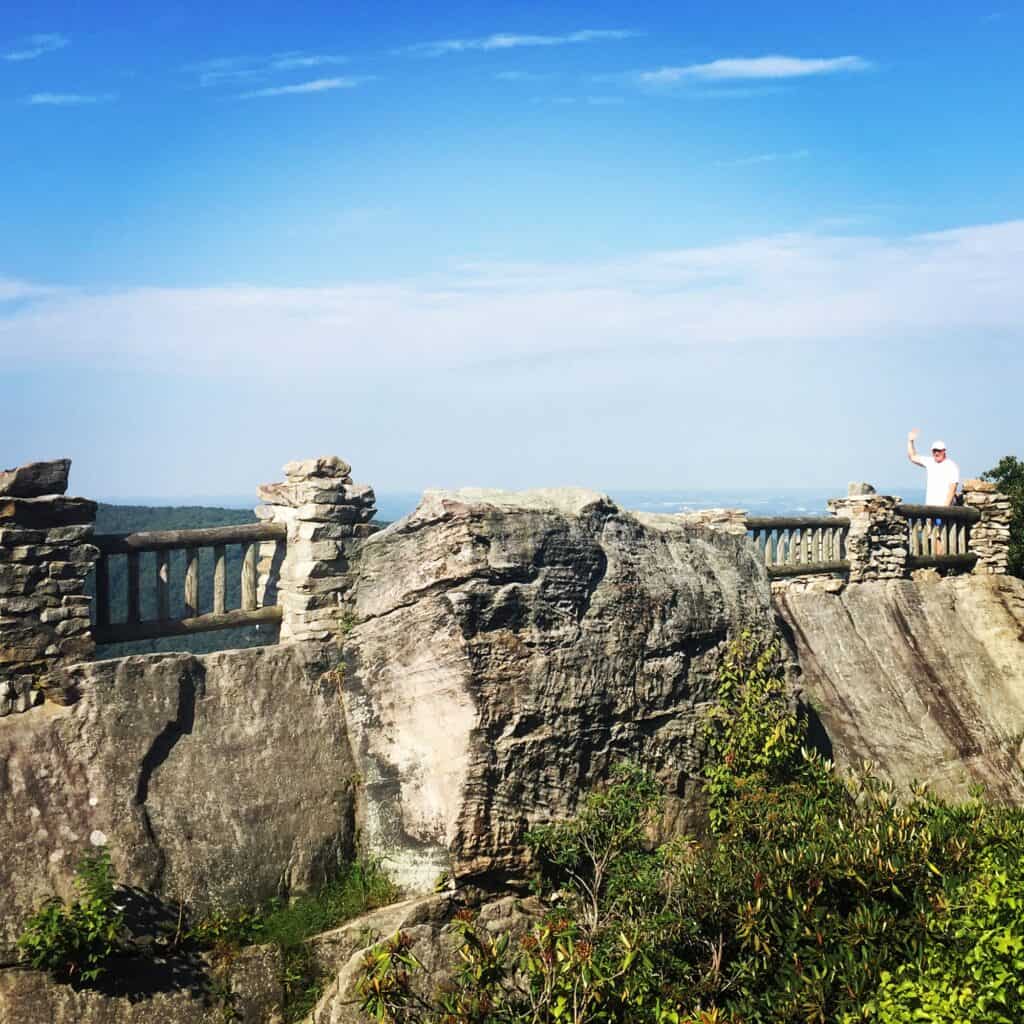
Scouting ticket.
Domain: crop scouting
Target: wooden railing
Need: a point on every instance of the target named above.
(800, 545)
(939, 535)
(163, 544)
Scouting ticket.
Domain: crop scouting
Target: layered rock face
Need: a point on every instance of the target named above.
(221, 779)
(510, 648)
(922, 677)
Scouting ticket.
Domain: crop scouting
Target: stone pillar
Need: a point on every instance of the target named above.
(326, 516)
(990, 536)
(876, 544)
(45, 557)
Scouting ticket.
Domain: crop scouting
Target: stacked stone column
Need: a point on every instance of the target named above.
(990, 536)
(45, 557)
(326, 516)
(876, 543)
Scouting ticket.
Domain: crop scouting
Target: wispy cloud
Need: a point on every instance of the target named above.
(290, 61)
(771, 67)
(68, 99)
(826, 288)
(766, 158)
(317, 85)
(518, 76)
(509, 41)
(37, 45)
(232, 70)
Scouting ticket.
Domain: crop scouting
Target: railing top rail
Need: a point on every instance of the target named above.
(161, 540)
(959, 512)
(795, 522)
(965, 560)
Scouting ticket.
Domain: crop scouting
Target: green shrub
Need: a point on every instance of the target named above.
(753, 732)
(77, 940)
(971, 970)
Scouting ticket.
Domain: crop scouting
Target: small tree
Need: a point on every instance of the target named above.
(1008, 476)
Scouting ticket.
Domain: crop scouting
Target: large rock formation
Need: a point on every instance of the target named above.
(222, 779)
(509, 648)
(924, 677)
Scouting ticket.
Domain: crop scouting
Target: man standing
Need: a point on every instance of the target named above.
(943, 473)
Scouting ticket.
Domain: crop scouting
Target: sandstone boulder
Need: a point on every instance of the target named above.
(508, 649)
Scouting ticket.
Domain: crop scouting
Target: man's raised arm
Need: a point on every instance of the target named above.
(911, 451)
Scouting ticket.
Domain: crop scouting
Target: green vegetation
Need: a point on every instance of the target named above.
(287, 924)
(83, 941)
(818, 899)
(753, 734)
(76, 941)
(1008, 476)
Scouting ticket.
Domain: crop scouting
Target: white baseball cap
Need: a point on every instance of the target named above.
(939, 444)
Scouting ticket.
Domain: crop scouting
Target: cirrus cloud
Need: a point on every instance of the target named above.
(771, 67)
(511, 40)
(36, 46)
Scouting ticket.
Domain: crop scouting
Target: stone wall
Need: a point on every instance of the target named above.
(45, 557)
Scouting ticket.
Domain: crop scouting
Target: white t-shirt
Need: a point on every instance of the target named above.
(940, 476)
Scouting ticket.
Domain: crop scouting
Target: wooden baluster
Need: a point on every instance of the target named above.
(133, 587)
(163, 584)
(102, 591)
(191, 582)
(219, 578)
(249, 578)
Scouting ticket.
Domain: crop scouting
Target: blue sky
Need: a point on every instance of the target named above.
(619, 245)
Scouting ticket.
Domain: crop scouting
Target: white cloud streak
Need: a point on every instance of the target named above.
(36, 46)
(509, 41)
(771, 67)
(300, 88)
(818, 288)
(291, 61)
(68, 99)
(766, 158)
(232, 70)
